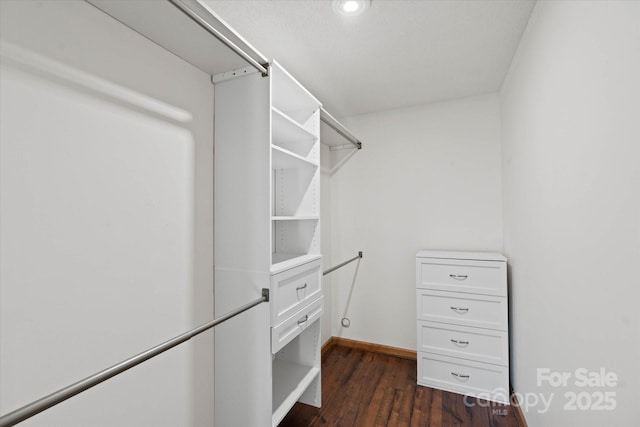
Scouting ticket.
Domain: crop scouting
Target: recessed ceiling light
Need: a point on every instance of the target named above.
(350, 7)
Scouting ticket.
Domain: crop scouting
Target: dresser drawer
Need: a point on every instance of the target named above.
(477, 277)
(292, 289)
(283, 333)
(481, 311)
(482, 345)
(486, 381)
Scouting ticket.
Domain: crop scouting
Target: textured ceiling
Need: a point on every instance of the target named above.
(397, 54)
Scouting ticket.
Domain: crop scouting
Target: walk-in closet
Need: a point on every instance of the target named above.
(276, 213)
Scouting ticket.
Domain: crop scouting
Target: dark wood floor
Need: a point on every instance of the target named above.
(361, 388)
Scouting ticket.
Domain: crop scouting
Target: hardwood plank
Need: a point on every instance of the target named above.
(326, 346)
(403, 409)
(436, 414)
(381, 400)
(366, 389)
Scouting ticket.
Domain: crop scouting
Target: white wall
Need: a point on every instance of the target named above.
(326, 328)
(106, 218)
(427, 178)
(571, 135)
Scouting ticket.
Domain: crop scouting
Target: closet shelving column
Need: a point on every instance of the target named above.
(295, 258)
(295, 146)
(267, 229)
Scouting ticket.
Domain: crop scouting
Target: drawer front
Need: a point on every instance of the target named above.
(482, 345)
(283, 333)
(480, 311)
(485, 381)
(292, 289)
(477, 277)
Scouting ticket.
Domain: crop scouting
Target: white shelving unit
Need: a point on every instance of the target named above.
(284, 261)
(267, 233)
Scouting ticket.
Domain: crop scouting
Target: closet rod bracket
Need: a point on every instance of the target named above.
(345, 147)
(266, 69)
(265, 293)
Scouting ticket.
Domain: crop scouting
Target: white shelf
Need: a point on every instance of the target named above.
(296, 218)
(283, 261)
(289, 134)
(164, 24)
(459, 255)
(284, 159)
(290, 96)
(290, 380)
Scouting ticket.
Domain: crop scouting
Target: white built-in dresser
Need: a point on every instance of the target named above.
(462, 323)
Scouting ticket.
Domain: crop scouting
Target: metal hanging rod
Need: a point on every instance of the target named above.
(342, 264)
(27, 411)
(263, 68)
(204, 17)
(339, 127)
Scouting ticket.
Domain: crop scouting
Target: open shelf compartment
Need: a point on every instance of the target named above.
(285, 159)
(291, 135)
(296, 373)
(293, 239)
(296, 193)
(290, 381)
(292, 99)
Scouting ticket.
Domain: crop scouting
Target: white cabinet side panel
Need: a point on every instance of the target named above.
(100, 130)
(242, 178)
(242, 352)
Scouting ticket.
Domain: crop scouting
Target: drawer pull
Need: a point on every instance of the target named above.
(460, 376)
(459, 309)
(299, 288)
(459, 276)
(304, 319)
(460, 342)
